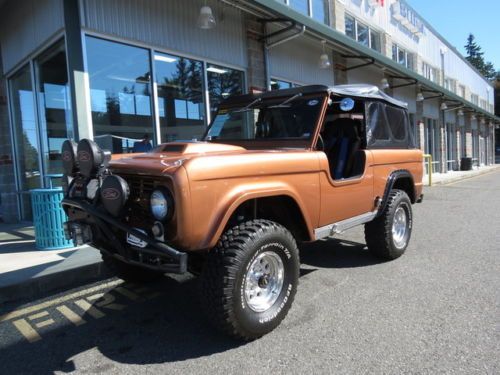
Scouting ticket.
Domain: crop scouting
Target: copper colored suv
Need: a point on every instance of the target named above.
(273, 169)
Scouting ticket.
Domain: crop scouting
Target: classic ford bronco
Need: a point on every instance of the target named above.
(273, 169)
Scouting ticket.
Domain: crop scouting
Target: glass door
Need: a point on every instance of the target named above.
(26, 141)
(53, 101)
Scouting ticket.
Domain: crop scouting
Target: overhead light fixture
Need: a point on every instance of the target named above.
(384, 84)
(206, 19)
(443, 106)
(473, 117)
(324, 60)
(213, 69)
(420, 97)
(460, 112)
(483, 121)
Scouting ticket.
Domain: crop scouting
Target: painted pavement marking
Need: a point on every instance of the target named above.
(87, 302)
(44, 305)
(71, 315)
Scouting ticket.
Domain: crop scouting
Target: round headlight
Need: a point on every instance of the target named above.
(68, 156)
(161, 204)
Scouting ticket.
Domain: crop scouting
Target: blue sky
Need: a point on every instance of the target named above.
(455, 19)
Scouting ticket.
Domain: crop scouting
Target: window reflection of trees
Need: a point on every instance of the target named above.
(222, 85)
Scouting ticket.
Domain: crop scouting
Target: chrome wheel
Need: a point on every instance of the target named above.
(264, 281)
(399, 228)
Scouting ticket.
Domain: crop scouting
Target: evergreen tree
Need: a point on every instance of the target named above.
(475, 57)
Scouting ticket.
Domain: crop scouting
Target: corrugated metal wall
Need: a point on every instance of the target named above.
(25, 25)
(172, 26)
(297, 61)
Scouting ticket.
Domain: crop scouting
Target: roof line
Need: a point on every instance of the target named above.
(326, 32)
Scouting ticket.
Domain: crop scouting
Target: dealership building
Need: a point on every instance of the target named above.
(116, 70)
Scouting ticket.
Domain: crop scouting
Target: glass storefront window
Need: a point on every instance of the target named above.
(350, 27)
(222, 83)
(120, 91)
(363, 34)
(375, 40)
(26, 136)
(320, 11)
(53, 105)
(180, 97)
(301, 6)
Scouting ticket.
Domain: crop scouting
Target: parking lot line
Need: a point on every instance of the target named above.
(31, 309)
(89, 309)
(27, 331)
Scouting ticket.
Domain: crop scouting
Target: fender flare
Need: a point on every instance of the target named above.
(217, 230)
(393, 177)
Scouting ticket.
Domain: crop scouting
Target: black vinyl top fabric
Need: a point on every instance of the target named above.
(387, 126)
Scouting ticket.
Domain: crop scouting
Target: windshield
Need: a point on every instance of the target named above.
(284, 118)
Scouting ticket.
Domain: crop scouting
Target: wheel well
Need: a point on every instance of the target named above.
(281, 209)
(406, 184)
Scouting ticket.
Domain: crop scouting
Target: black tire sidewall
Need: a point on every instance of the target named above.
(262, 322)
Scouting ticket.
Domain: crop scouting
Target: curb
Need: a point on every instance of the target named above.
(39, 286)
(466, 177)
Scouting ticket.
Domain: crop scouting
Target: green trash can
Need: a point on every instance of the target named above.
(48, 219)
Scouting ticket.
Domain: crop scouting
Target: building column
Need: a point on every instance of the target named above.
(78, 78)
(257, 76)
(443, 137)
(8, 197)
(339, 72)
(468, 136)
(419, 119)
(337, 15)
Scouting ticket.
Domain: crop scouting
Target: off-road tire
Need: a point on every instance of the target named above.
(379, 232)
(130, 272)
(223, 279)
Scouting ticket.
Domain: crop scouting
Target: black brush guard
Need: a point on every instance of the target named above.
(155, 248)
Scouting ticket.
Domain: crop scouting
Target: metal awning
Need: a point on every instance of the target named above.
(347, 44)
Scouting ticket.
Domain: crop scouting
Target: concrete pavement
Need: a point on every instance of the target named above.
(26, 272)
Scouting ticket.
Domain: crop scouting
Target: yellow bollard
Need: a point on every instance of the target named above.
(429, 166)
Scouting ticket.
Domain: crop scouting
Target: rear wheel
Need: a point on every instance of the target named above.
(388, 235)
(130, 272)
(250, 279)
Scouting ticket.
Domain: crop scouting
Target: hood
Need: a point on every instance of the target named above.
(168, 157)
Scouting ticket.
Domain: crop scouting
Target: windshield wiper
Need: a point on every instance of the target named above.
(286, 101)
(258, 100)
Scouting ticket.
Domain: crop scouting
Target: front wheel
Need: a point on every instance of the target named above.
(388, 235)
(250, 279)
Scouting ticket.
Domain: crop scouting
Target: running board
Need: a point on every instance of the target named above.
(341, 226)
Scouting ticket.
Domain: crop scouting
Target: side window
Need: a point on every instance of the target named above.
(377, 129)
(398, 122)
(387, 126)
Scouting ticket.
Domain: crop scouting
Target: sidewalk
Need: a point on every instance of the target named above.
(454, 176)
(28, 272)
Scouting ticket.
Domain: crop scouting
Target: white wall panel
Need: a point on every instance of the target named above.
(171, 25)
(25, 25)
(297, 61)
(408, 95)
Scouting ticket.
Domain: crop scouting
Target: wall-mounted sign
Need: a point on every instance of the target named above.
(407, 17)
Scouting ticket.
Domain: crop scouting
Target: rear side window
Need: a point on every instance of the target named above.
(387, 126)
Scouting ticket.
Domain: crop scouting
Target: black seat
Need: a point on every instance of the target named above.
(342, 143)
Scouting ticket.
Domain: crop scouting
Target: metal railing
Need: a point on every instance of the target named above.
(429, 167)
